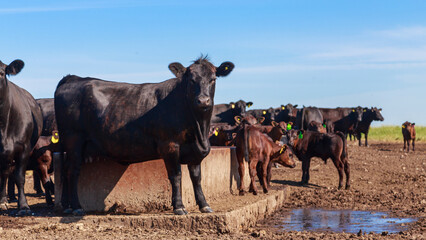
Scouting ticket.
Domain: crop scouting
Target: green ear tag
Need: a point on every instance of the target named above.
(300, 135)
(325, 126)
(288, 126)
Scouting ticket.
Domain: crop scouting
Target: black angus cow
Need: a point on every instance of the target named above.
(308, 144)
(21, 123)
(225, 113)
(306, 115)
(267, 114)
(344, 119)
(369, 115)
(131, 123)
(286, 113)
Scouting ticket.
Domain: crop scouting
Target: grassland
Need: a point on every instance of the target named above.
(394, 134)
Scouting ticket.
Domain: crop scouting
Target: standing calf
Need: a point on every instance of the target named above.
(409, 133)
(308, 144)
(259, 151)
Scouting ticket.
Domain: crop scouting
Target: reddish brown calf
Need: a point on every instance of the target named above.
(259, 151)
(409, 133)
(316, 127)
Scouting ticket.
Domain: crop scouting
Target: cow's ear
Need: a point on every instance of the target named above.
(238, 119)
(14, 67)
(295, 106)
(274, 124)
(232, 104)
(224, 69)
(249, 104)
(177, 69)
(413, 124)
(380, 109)
(261, 120)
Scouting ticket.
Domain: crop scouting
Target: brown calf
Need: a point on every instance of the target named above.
(409, 133)
(259, 151)
(308, 144)
(317, 127)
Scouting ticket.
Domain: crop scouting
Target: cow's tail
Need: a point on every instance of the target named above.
(303, 119)
(246, 142)
(345, 148)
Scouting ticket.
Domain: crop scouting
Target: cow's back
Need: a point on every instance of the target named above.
(47, 107)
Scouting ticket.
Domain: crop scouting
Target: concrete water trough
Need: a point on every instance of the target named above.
(106, 186)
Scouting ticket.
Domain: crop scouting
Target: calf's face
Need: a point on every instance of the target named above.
(285, 157)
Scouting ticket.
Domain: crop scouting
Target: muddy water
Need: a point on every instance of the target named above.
(342, 221)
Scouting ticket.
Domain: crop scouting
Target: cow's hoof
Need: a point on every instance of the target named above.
(78, 212)
(3, 206)
(24, 212)
(206, 209)
(254, 193)
(180, 211)
(348, 187)
(265, 191)
(67, 211)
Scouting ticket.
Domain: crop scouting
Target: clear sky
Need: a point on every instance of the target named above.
(318, 53)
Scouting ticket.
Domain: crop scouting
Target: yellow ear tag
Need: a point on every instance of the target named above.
(226, 68)
(264, 112)
(403, 126)
(353, 110)
(282, 149)
(55, 140)
(282, 107)
(216, 133)
(232, 106)
(365, 110)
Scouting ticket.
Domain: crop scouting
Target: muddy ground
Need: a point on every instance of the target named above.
(383, 178)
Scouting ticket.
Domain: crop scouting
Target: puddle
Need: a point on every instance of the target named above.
(342, 221)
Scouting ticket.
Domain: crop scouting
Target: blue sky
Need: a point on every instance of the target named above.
(318, 53)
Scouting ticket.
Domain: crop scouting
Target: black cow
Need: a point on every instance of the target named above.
(268, 114)
(344, 119)
(131, 123)
(306, 115)
(225, 113)
(47, 106)
(368, 116)
(286, 113)
(21, 123)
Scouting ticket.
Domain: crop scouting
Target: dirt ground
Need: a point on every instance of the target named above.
(383, 178)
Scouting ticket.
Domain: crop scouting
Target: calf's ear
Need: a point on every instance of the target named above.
(238, 119)
(249, 104)
(177, 69)
(274, 124)
(224, 69)
(14, 67)
(295, 106)
(261, 120)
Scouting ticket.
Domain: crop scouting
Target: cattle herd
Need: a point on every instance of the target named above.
(176, 120)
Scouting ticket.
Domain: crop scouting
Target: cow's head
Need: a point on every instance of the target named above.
(284, 157)
(247, 119)
(12, 69)
(200, 79)
(356, 113)
(239, 107)
(374, 113)
(291, 137)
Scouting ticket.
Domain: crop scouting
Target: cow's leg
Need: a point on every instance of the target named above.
(413, 144)
(19, 175)
(42, 171)
(253, 173)
(3, 198)
(241, 171)
(195, 174)
(11, 189)
(175, 176)
(306, 163)
(408, 145)
(359, 136)
(340, 168)
(37, 185)
(269, 174)
(366, 139)
(264, 174)
(71, 167)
